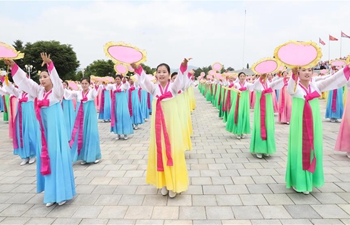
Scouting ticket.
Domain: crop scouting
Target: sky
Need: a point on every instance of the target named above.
(169, 31)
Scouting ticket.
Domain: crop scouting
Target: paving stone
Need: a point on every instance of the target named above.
(299, 198)
(253, 199)
(258, 188)
(330, 211)
(246, 212)
(228, 200)
(15, 210)
(113, 212)
(219, 212)
(14, 220)
(94, 221)
(204, 200)
(169, 212)
(278, 199)
(274, 212)
(39, 221)
(70, 221)
(87, 212)
(139, 212)
(295, 221)
(192, 213)
(328, 198)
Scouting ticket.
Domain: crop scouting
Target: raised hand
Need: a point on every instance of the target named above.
(134, 66)
(9, 62)
(46, 58)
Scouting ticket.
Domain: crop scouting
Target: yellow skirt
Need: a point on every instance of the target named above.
(188, 112)
(182, 105)
(192, 98)
(174, 178)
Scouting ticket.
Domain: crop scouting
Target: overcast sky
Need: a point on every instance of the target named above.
(208, 31)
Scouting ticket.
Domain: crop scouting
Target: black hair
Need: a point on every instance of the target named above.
(118, 75)
(166, 66)
(173, 74)
(241, 74)
(85, 78)
(66, 82)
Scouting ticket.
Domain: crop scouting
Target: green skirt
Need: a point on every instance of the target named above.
(7, 102)
(257, 144)
(296, 177)
(243, 119)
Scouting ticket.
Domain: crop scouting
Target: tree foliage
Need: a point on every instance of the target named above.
(62, 55)
(100, 68)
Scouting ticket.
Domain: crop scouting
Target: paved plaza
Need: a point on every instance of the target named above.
(228, 185)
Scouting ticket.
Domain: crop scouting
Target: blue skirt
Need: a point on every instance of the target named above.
(1, 104)
(30, 132)
(144, 105)
(90, 150)
(123, 123)
(338, 114)
(105, 113)
(69, 115)
(59, 185)
(136, 108)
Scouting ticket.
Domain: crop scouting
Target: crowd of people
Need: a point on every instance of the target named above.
(294, 96)
(54, 126)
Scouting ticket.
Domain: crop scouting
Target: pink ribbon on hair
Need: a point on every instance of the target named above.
(44, 156)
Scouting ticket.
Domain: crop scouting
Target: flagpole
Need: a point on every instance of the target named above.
(245, 15)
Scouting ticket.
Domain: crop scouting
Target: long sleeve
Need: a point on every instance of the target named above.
(12, 90)
(335, 81)
(94, 92)
(69, 95)
(3, 91)
(178, 83)
(319, 78)
(145, 83)
(277, 83)
(25, 84)
(250, 86)
(57, 89)
(291, 84)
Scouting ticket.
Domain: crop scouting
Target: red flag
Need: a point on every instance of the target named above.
(331, 38)
(321, 42)
(344, 35)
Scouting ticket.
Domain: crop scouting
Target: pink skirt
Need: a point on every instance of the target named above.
(12, 115)
(274, 100)
(285, 109)
(343, 143)
(252, 99)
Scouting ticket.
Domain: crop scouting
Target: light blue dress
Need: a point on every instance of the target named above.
(105, 112)
(136, 117)
(338, 114)
(123, 123)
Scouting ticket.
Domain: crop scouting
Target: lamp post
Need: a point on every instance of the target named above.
(29, 69)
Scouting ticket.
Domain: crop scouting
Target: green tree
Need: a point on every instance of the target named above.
(148, 69)
(100, 68)
(62, 55)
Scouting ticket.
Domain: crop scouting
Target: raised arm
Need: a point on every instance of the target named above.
(337, 80)
(69, 95)
(12, 90)
(292, 80)
(144, 82)
(57, 87)
(276, 83)
(20, 78)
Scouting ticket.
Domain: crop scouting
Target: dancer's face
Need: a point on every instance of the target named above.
(305, 74)
(45, 79)
(85, 85)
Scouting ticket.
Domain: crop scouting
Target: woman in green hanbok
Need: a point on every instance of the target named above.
(305, 149)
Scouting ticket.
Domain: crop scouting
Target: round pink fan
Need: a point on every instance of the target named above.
(121, 69)
(219, 76)
(124, 53)
(73, 85)
(298, 53)
(9, 52)
(130, 69)
(212, 72)
(202, 74)
(210, 76)
(339, 63)
(217, 66)
(267, 65)
(110, 79)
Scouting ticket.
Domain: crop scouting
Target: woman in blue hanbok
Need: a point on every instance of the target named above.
(26, 132)
(121, 123)
(54, 166)
(85, 139)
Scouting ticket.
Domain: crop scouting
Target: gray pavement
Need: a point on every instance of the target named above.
(227, 184)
